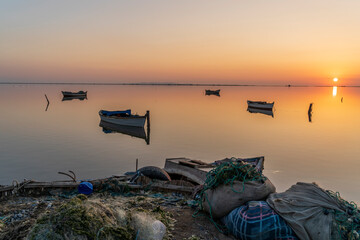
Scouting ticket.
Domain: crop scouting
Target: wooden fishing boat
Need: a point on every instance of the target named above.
(262, 111)
(124, 118)
(196, 170)
(260, 105)
(212, 92)
(74, 94)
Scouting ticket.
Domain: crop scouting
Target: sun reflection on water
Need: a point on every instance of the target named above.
(334, 91)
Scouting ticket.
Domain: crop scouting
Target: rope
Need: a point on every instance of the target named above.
(226, 174)
(99, 232)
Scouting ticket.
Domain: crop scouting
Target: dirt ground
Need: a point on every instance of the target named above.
(187, 226)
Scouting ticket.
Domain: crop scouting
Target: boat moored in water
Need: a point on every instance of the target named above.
(75, 94)
(125, 118)
(260, 105)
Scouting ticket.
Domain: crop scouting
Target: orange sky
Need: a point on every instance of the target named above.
(271, 42)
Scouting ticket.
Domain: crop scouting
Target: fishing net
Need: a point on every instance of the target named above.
(347, 221)
(229, 172)
(112, 185)
(229, 186)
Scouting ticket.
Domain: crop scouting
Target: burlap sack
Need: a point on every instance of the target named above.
(303, 207)
(223, 199)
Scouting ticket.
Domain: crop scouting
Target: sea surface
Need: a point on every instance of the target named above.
(37, 141)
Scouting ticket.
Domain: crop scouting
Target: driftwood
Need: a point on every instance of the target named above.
(29, 185)
(73, 176)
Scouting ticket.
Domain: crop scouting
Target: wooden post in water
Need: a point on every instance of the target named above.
(148, 127)
(137, 162)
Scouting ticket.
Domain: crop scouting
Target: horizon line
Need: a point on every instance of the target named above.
(172, 84)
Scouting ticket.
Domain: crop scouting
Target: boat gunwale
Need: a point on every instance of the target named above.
(117, 117)
(260, 102)
(74, 94)
(212, 91)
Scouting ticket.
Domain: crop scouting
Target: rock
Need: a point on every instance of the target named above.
(147, 227)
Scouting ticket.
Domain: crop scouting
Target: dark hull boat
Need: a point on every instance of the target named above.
(75, 94)
(260, 105)
(213, 92)
(123, 118)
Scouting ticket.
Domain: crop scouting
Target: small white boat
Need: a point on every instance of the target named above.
(124, 118)
(74, 94)
(260, 105)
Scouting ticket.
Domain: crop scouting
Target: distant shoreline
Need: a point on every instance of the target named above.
(173, 84)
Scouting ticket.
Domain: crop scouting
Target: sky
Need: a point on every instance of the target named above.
(202, 41)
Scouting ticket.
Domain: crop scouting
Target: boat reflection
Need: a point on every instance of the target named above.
(262, 111)
(81, 98)
(212, 92)
(138, 132)
(310, 112)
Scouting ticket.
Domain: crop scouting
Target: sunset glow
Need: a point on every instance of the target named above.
(285, 42)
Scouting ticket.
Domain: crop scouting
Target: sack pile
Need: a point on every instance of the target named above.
(231, 185)
(246, 202)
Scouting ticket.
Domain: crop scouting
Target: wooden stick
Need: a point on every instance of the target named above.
(66, 174)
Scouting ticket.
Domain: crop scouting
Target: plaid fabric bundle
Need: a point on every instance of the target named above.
(256, 220)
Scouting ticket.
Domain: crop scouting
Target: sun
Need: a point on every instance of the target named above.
(335, 79)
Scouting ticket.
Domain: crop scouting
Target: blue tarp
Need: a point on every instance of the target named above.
(85, 188)
(110, 113)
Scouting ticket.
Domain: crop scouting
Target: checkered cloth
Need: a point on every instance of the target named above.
(256, 220)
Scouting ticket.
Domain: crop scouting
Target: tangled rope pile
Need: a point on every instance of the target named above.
(226, 174)
(348, 222)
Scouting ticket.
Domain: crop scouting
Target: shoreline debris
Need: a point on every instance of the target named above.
(229, 190)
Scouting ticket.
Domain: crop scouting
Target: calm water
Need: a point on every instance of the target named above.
(36, 144)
